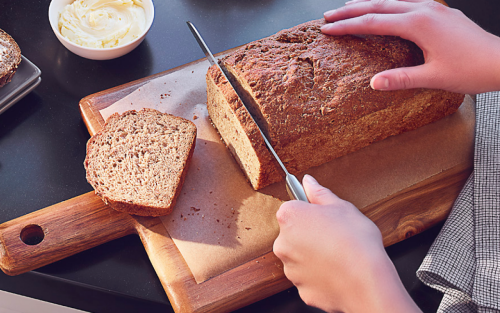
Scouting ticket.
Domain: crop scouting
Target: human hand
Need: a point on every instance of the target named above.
(335, 257)
(459, 55)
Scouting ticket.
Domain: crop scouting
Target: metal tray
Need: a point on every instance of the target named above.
(24, 81)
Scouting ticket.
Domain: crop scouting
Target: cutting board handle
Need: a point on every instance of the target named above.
(58, 231)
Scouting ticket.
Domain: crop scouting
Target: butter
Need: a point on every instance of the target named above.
(102, 23)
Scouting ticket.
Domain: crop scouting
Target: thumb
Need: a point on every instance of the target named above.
(316, 193)
(401, 78)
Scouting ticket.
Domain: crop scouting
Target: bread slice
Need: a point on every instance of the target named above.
(10, 58)
(311, 93)
(138, 161)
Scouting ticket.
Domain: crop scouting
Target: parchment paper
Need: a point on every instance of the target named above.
(220, 222)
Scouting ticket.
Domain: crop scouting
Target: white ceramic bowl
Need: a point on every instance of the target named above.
(57, 6)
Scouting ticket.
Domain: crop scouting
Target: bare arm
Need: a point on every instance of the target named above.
(459, 55)
(335, 257)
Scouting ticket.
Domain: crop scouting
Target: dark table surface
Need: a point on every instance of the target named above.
(43, 137)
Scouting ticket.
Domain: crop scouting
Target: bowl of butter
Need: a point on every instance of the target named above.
(101, 29)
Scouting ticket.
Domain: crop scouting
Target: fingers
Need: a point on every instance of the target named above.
(360, 8)
(381, 17)
(405, 78)
(318, 194)
(290, 211)
(375, 24)
(355, 1)
(287, 212)
(291, 223)
(396, 79)
(281, 249)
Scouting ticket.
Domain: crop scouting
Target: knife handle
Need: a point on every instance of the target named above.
(295, 189)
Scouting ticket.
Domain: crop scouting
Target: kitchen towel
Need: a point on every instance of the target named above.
(464, 260)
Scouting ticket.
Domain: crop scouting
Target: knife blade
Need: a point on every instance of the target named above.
(293, 186)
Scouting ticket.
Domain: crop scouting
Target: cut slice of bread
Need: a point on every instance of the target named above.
(138, 161)
(10, 58)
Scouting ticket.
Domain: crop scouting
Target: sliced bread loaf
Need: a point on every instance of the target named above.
(138, 161)
(10, 57)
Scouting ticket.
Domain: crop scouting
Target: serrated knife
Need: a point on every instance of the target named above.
(293, 186)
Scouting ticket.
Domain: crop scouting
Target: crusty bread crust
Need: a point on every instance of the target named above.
(138, 162)
(311, 93)
(10, 58)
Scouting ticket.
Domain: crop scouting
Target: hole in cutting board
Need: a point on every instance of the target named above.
(32, 234)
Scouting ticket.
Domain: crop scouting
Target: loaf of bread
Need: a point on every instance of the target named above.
(138, 161)
(311, 94)
(10, 58)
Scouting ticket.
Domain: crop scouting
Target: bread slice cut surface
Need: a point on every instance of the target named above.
(138, 161)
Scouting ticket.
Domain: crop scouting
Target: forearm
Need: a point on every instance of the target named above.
(382, 291)
(371, 284)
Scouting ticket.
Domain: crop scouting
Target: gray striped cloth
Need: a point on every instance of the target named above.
(464, 260)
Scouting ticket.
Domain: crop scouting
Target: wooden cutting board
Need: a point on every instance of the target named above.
(72, 226)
